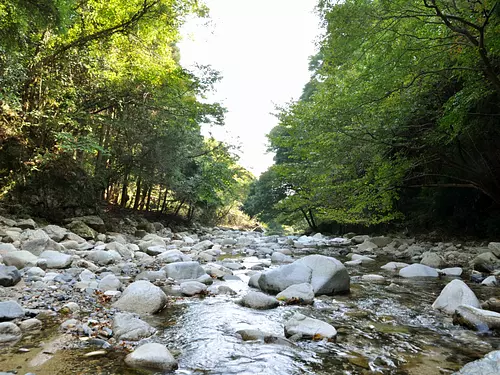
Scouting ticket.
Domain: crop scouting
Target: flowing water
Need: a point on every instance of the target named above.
(381, 329)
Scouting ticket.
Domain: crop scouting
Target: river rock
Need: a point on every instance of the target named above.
(129, 327)
(9, 275)
(477, 319)
(489, 281)
(258, 300)
(151, 356)
(190, 288)
(278, 279)
(452, 271)
(454, 294)
(373, 278)
(10, 310)
(203, 245)
(109, 282)
(151, 275)
(184, 270)
(142, 297)
(103, 257)
(485, 262)
(298, 293)
(30, 325)
(9, 332)
(20, 259)
(329, 276)
(26, 224)
(306, 327)
(254, 280)
(418, 270)
(55, 232)
(7, 248)
(278, 257)
(381, 241)
(492, 304)
(494, 247)
(432, 260)
(81, 229)
(488, 365)
(56, 259)
(361, 258)
(394, 266)
(172, 256)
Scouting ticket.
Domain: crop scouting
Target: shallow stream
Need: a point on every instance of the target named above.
(381, 329)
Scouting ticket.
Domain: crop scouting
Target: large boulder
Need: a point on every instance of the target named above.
(184, 270)
(418, 270)
(142, 297)
(129, 327)
(9, 275)
(152, 356)
(477, 319)
(329, 276)
(305, 327)
(56, 259)
(488, 365)
(93, 221)
(278, 279)
(258, 300)
(20, 259)
(454, 294)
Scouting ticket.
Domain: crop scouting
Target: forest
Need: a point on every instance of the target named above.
(398, 126)
(96, 109)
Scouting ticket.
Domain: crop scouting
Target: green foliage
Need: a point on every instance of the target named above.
(98, 83)
(403, 97)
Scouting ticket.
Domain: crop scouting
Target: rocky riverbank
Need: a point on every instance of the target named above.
(106, 292)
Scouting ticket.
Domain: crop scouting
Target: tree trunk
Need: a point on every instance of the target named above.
(137, 193)
(148, 203)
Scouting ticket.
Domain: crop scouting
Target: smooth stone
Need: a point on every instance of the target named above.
(56, 259)
(432, 260)
(490, 281)
(370, 277)
(394, 266)
(477, 319)
(129, 327)
(278, 257)
(20, 259)
(10, 310)
(329, 276)
(488, 365)
(141, 297)
(9, 276)
(452, 271)
(278, 279)
(9, 332)
(306, 327)
(258, 300)
(254, 280)
(184, 270)
(152, 356)
(55, 232)
(454, 294)
(30, 325)
(363, 258)
(418, 270)
(191, 288)
(485, 262)
(109, 282)
(298, 293)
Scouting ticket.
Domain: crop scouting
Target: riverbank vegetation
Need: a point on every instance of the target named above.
(399, 123)
(95, 108)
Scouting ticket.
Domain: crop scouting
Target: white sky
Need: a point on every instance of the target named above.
(261, 48)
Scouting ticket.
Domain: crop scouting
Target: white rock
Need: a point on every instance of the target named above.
(142, 297)
(303, 293)
(308, 327)
(418, 270)
(151, 356)
(454, 294)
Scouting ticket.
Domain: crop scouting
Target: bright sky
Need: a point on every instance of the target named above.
(262, 49)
